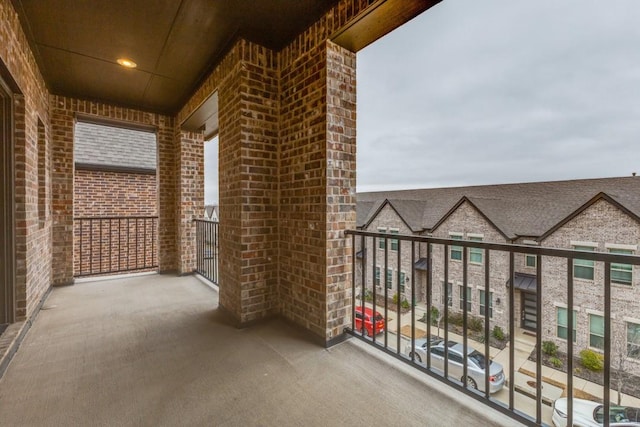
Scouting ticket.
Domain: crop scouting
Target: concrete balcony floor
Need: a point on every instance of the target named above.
(154, 350)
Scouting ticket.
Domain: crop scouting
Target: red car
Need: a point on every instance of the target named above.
(368, 323)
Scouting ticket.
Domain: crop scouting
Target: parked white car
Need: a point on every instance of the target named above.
(476, 363)
(591, 414)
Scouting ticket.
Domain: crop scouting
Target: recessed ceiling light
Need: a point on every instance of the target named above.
(127, 63)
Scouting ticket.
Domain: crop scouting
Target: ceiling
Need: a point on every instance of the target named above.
(175, 43)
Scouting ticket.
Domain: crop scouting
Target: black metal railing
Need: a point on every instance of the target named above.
(207, 249)
(389, 277)
(109, 245)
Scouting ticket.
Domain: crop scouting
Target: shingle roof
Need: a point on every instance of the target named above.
(106, 146)
(524, 209)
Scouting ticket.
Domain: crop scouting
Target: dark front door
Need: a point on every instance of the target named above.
(6, 205)
(529, 313)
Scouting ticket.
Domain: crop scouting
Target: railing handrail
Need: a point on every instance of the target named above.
(507, 247)
(85, 218)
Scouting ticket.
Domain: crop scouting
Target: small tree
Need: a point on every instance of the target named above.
(620, 360)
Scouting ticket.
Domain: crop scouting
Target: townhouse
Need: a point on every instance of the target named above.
(590, 215)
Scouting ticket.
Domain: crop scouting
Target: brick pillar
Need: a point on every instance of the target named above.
(317, 187)
(190, 165)
(248, 141)
(62, 121)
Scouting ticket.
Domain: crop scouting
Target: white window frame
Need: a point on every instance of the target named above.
(472, 237)
(596, 335)
(581, 263)
(625, 268)
(481, 305)
(453, 248)
(381, 240)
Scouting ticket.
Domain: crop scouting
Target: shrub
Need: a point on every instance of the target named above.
(475, 324)
(498, 333)
(405, 304)
(455, 319)
(591, 360)
(368, 295)
(435, 314)
(395, 299)
(549, 348)
(557, 363)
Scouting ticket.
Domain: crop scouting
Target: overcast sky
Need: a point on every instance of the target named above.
(497, 91)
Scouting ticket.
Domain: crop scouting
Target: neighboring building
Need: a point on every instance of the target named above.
(596, 214)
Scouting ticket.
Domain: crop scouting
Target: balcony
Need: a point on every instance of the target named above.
(156, 350)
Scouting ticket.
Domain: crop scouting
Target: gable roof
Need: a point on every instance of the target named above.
(473, 202)
(113, 148)
(522, 209)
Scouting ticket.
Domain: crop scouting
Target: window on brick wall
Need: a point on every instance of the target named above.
(562, 329)
(403, 278)
(456, 251)
(42, 173)
(583, 268)
(447, 294)
(482, 306)
(475, 254)
(382, 241)
(621, 273)
(530, 260)
(394, 242)
(461, 289)
(596, 331)
(389, 278)
(633, 340)
(377, 278)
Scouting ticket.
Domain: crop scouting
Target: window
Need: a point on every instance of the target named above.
(482, 295)
(475, 254)
(403, 278)
(462, 298)
(394, 242)
(448, 296)
(389, 278)
(561, 317)
(381, 241)
(377, 278)
(633, 340)
(456, 251)
(596, 331)
(530, 260)
(582, 268)
(621, 273)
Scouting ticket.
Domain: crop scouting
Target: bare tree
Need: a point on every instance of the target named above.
(620, 357)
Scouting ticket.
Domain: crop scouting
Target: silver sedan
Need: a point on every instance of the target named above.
(476, 363)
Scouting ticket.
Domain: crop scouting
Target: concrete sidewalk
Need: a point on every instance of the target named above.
(155, 351)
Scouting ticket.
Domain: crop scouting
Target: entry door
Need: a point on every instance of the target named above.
(6, 206)
(529, 312)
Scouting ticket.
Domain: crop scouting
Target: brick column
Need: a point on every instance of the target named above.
(190, 165)
(62, 121)
(248, 105)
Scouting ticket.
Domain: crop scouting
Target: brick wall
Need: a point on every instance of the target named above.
(190, 193)
(33, 226)
(601, 223)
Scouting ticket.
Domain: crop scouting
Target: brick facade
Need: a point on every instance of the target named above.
(33, 243)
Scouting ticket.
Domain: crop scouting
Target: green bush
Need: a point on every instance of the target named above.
(498, 333)
(395, 299)
(549, 348)
(557, 363)
(405, 304)
(368, 295)
(591, 360)
(475, 324)
(435, 314)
